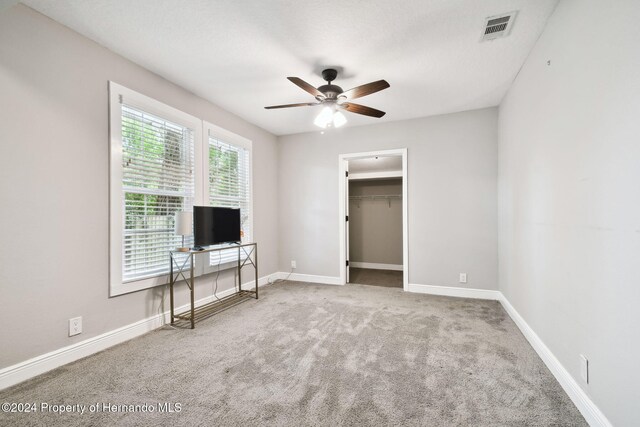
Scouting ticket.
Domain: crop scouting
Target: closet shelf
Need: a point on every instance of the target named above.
(377, 196)
(386, 197)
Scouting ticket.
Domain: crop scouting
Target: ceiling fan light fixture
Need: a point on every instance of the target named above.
(339, 119)
(324, 118)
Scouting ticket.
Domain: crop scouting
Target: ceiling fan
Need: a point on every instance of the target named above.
(335, 99)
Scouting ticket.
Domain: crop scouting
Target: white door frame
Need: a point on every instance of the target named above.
(345, 197)
(342, 159)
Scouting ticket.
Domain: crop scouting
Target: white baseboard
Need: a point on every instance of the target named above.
(310, 278)
(22, 371)
(252, 284)
(376, 265)
(39, 365)
(585, 405)
(451, 291)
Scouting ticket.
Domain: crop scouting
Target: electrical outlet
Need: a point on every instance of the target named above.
(463, 277)
(584, 368)
(293, 264)
(75, 326)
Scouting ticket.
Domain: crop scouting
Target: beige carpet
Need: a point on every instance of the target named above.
(369, 276)
(314, 355)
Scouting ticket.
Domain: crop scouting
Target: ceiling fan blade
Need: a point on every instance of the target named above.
(306, 86)
(368, 89)
(304, 104)
(361, 109)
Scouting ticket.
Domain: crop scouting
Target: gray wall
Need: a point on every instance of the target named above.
(375, 225)
(452, 180)
(54, 151)
(570, 197)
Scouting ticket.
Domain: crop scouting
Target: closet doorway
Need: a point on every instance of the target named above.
(373, 212)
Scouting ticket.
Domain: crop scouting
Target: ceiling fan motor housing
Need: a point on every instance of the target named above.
(330, 91)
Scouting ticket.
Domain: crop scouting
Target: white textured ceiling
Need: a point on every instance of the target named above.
(238, 53)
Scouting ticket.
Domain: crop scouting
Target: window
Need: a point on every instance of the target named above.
(153, 175)
(163, 161)
(228, 185)
(158, 180)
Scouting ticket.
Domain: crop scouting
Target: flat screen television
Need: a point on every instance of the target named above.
(214, 225)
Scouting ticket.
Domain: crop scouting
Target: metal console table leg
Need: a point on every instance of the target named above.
(171, 282)
(178, 273)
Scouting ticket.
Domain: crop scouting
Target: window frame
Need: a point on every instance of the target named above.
(117, 95)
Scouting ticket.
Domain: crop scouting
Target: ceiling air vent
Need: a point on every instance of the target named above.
(498, 26)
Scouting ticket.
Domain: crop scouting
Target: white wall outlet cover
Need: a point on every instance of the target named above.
(584, 368)
(75, 326)
(293, 264)
(463, 277)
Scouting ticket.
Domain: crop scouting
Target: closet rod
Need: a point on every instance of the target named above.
(377, 196)
(386, 197)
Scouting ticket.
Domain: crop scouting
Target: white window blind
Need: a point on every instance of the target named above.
(229, 187)
(158, 180)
